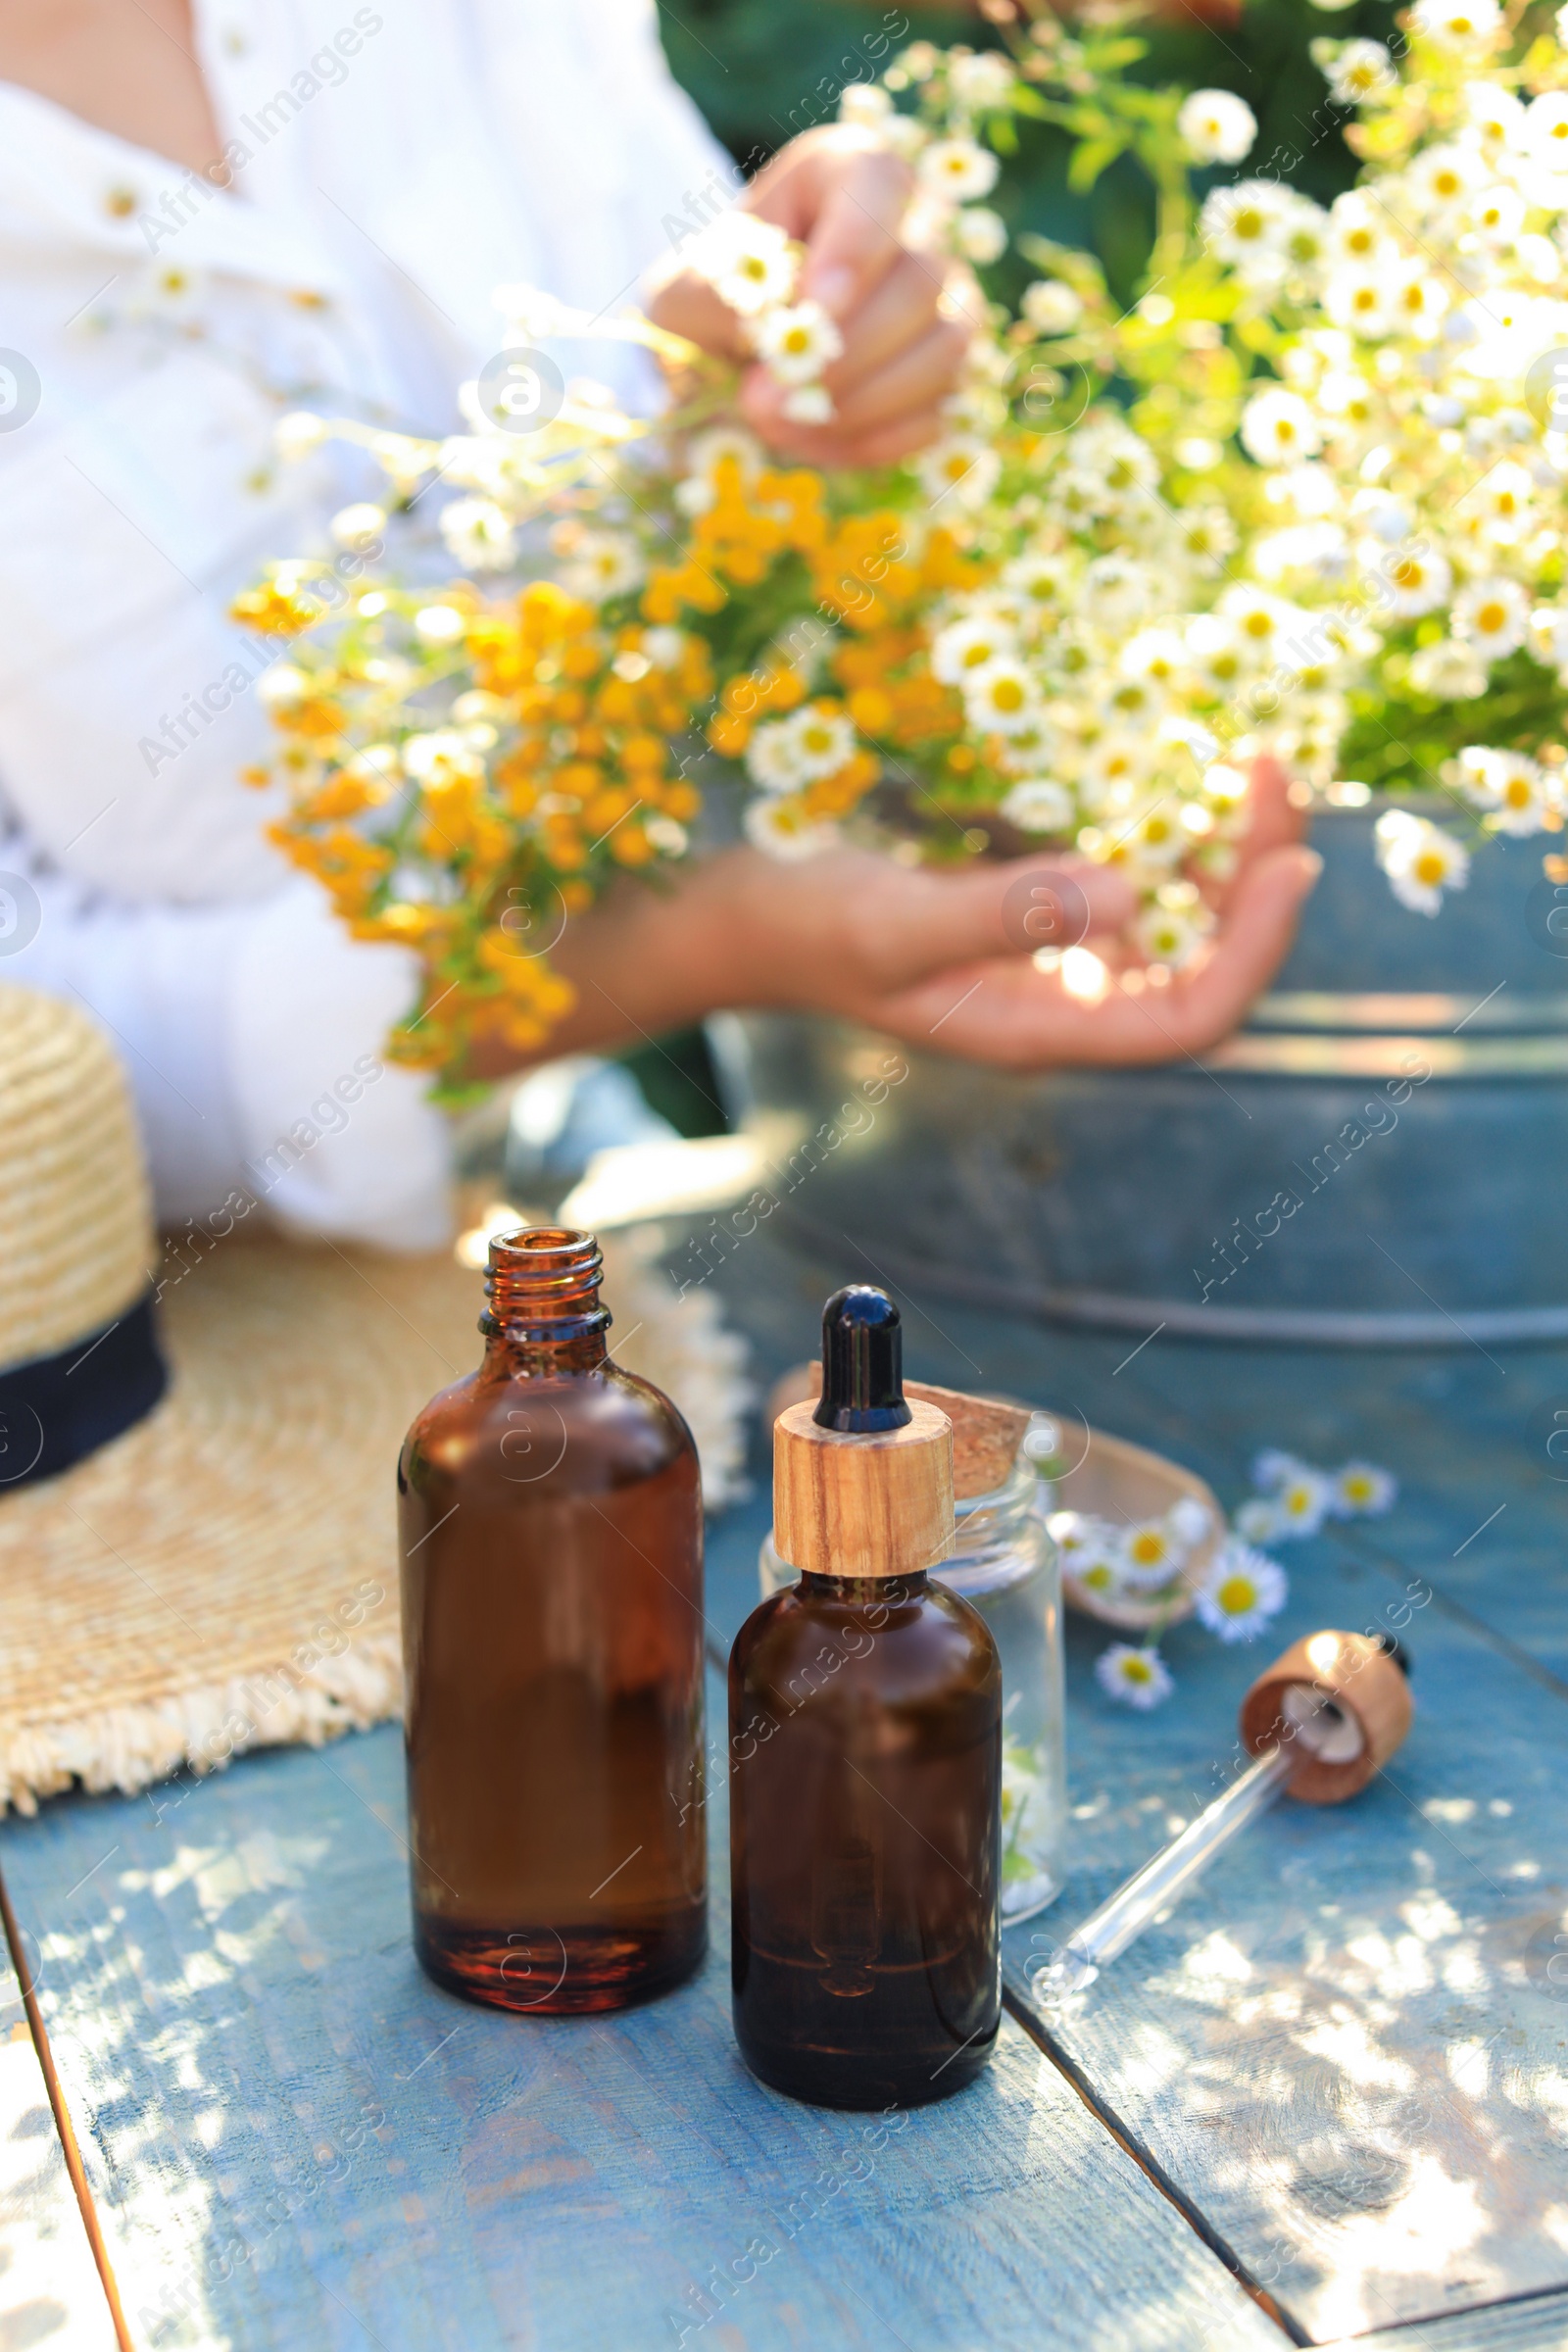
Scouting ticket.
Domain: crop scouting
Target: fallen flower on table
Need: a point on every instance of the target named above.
(1138, 1678)
(1240, 1590)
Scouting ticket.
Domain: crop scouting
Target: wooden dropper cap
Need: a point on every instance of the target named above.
(1342, 1700)
(862, 1481)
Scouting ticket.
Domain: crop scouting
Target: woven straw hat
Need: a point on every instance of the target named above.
(221, 1573)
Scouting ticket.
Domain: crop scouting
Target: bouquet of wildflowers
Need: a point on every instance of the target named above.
(1305, 496)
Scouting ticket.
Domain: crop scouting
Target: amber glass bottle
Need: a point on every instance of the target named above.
(551, 1528)
(865, 1756)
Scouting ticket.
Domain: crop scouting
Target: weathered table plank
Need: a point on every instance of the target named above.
(50, 2294)
(297, 2141)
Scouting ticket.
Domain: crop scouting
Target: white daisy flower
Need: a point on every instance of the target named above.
(959, 169)
(782, 830)
(1362, 1491)
(1491, 615)
(1496, 117)
(798, 341)
(1051, 308)
(1257, 1520)
(1167, 935)
(865, 104)
(1039, 805)
(966, 649)
(1549, 635)
(1216, 127)
(1448, 671)
(979, 233)
(749, 263)
(823, 741)
(1440, 177)
(602, 564)
(961, 467)
(1076, 1532)
(1546, 131)
(1190, 1519)
(1354, 71)
(808, 404)
(1516, 794)
(1002, 699)
(773, 759)
(1417, 301)
(1465, 25)
(1206, 535)
(1241, 1590)
(1273, 1466)
(1358, 235)
(1244, 225)
(1503, 502)
(1361, 301)
(1420, 860)
(478, 534)
(442, 756)
(1139, 1678)
(1496, 212)
(983, 80)
(1408, 580)
(1278, 428)
(1151, 1552)
(1300, 1500)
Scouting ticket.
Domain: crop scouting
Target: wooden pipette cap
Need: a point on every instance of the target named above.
(862, 1481)
(1341, 1702)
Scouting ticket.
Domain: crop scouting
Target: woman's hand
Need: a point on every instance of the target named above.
(943, 960)
(906, 315)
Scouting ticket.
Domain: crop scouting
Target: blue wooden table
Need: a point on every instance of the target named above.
(1326, 2099)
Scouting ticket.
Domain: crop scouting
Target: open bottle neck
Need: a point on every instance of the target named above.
(542, 1305)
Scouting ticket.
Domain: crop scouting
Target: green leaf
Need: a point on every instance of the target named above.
(1090, 159)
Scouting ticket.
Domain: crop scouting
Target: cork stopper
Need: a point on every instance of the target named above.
(987, 1431)
(1341, 1702)
(863, 1480)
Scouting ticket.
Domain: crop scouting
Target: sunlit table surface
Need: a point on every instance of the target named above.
(1327, 2098)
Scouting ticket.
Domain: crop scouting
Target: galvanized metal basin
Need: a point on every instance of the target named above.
(1377, 1158)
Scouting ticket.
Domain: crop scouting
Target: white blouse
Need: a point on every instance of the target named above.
(391, 165)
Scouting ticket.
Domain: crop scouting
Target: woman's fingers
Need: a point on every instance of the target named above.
(843, 196)
(1011, 1014)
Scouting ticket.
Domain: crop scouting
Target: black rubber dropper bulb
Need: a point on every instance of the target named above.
(862, 1363)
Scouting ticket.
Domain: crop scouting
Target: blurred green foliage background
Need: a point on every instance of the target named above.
(763, 70)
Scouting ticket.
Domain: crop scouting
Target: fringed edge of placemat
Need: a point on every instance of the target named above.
(130, 1747)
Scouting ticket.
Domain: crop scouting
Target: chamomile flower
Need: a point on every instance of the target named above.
(1171, 935)
(773, 757)
(1039, 805)
(1216, 127)
(1244, 225)
(796, 340)
(1546, 131)
(957, 168)
(966, 649)
(443, 757)
(1300, 1500)
(1278, 428)
(961, 467)
(979, 233)
(822, 740)
(478, 534)
(750, 262)
(781, 829)
(1420, 860)
(1151, 1552)
(1496, 118)
(1511, 788)
(1003, 698)
(1491, 615)
(1257, 1520)
(865, 104)
(1240, 1591)
(1356, 70)
(1468, 25)
(1360, 1489)
(1138, 1678)
(984, 80)
(602, 564)
(1448, 671)
(1051, 308)
(1406, 581)
(1362, 301)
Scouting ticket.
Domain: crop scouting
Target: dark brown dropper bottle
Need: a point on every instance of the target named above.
(551, 1526)
(865, 1755)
